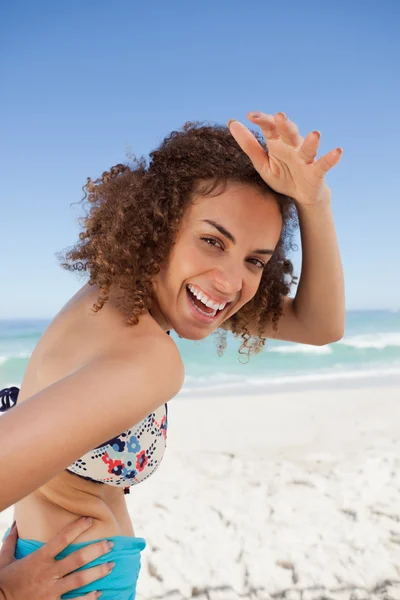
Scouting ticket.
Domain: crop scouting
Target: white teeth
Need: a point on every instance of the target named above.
(211, 304)
(205, 300)
(202, 311)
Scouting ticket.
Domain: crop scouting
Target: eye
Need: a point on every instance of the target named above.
(260, 264)
(210, 239)
(212, 242)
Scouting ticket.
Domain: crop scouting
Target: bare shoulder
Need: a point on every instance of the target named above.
(146, 366)
(111, 392)
(157, 354)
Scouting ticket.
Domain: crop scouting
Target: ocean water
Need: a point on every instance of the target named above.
(368, 353)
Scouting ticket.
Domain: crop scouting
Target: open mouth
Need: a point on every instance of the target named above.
(204, 310)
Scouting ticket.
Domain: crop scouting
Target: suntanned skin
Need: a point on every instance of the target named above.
(77, 337)
(76, 369)
(100, 371)
(91, 376)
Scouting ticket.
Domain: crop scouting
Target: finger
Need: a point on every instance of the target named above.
(250, 145)
(326, 162)
(267, 124)
(287, 130)
(81, 578)
(64, 538)
(83, 556)
(309, 148)
(8, 547)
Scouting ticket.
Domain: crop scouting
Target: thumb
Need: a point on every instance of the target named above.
(7, 551)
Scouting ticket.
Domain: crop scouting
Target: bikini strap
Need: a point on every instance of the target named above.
(8, 398)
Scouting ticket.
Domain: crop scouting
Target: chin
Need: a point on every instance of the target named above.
(194, 333)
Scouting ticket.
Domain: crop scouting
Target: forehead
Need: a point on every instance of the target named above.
(240, 208)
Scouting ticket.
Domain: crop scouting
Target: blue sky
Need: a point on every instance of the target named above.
(85, 81)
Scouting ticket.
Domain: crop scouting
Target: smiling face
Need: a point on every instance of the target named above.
(218, 257)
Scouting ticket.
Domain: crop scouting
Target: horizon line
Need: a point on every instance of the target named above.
(348, 310)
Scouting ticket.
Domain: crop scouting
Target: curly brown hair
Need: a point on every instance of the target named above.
(135, 211)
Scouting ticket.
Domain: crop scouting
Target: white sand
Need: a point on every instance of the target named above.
(292, 496)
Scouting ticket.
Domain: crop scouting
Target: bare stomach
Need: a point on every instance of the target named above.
(67, 497)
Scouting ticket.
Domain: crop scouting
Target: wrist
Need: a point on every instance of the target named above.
(323, 199)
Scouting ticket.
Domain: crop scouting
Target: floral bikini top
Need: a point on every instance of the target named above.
(124, 460)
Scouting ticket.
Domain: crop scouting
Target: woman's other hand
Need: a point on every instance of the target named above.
(290, 167)
(39, 576)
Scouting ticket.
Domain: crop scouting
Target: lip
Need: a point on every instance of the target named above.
(199, 316)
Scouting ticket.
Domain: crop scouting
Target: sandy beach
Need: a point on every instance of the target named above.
(292, 495)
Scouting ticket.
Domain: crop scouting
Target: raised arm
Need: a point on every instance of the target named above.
(317, 314)
(53, 428)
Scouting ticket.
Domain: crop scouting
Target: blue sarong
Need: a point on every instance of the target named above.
(120, 583)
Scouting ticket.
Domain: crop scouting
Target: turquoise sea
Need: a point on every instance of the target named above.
(369, 353)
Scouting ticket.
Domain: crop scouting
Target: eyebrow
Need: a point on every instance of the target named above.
(230, 237)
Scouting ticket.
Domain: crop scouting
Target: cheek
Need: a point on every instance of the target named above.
(184, 264)
(190, 262)
(250, 288)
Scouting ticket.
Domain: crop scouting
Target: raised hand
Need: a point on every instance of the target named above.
(290, 166)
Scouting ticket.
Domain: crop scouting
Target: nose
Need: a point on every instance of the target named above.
(228, 280)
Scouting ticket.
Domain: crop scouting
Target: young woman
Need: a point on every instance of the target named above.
(195, 241)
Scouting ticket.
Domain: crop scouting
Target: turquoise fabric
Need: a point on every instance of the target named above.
(119, 584)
